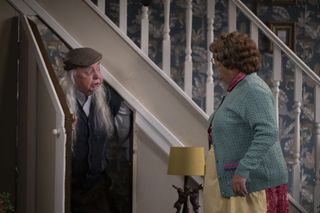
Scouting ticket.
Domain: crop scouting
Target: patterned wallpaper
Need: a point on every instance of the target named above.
(306, 16)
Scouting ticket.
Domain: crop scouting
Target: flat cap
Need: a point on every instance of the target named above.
(81, 57)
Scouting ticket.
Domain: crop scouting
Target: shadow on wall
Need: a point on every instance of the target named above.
(8, 108)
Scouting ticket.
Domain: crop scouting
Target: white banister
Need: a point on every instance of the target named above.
(123, 8)
(298, 85)
(254, 33)
(316, 194)
(188, 58)
(101, 4)
(145, 30)
(166, 43)
(232, 16)
(296, 171)
(210, 36)
(279, 48)
(276, 77)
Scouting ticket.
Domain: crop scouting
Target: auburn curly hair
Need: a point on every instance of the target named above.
(236, 51)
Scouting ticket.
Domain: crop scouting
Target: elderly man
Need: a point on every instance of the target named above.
(100, 116)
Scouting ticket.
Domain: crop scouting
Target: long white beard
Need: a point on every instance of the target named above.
(104, 119)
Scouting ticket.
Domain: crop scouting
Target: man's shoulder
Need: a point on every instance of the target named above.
(114, 99)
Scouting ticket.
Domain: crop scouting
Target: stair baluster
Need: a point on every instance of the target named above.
(232, 16)
(276, 77)
(188, 59)
(210, 36)
(166, 43)
(145, 30)
(123, 8)
(101, 4)
(296, 171)
(316, 194)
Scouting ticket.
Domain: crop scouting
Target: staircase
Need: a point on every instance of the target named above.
(173, 94)
(285, 65)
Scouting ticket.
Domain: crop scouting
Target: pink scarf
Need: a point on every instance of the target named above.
(235, 81)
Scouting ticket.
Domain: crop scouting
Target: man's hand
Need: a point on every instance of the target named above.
(239, 185)
(74, 121)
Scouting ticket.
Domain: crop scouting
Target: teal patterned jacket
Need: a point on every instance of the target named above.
(245, 138)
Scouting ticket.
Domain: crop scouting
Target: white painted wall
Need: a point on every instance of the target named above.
(144, 82)
(140, 77)
(154, 191)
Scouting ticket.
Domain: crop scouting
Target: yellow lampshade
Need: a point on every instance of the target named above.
(186, 161)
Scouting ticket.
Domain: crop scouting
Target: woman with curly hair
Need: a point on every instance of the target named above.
(245, 170)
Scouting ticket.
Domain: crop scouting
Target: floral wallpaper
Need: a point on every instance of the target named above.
(306, 16)
(304, 13)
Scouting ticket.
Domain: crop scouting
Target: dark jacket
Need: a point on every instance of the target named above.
(89, 150)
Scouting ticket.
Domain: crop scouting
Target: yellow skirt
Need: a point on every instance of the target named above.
(213, 202)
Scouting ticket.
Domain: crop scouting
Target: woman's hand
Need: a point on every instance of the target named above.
(239, 185)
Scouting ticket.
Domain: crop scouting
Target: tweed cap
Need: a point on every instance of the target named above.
(81, 57)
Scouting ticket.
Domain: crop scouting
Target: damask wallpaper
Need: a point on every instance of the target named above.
(306, 16)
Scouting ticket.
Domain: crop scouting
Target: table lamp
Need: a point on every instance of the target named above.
(186, 161)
